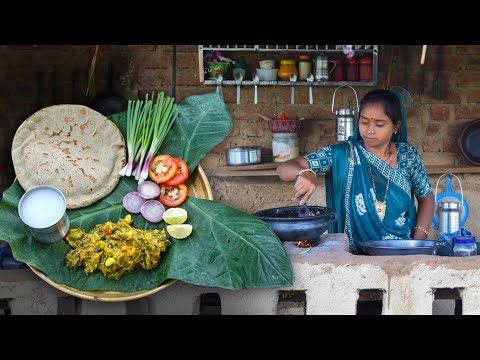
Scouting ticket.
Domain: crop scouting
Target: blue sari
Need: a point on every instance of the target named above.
(350, 192)
(357, 200)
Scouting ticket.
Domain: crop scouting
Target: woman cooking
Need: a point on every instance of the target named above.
(372, 179)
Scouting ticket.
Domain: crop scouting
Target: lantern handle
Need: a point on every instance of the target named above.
(448, 185)
(356, 98)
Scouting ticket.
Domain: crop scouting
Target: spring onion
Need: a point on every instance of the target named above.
(135, 120)
(147, 127)
(164, 115)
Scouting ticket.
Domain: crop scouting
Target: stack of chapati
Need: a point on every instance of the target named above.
(72, 147)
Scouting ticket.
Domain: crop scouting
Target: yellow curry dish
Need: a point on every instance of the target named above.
(115, 248)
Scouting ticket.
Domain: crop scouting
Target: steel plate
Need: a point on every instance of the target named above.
(402, 247)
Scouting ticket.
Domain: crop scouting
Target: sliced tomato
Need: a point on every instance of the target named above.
(181, 175)
(173, 196)
(162, 168)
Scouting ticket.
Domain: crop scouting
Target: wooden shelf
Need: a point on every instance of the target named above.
(268, 169)
(453, 169)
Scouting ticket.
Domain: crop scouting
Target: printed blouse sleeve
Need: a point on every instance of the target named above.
(320, 161)
(419, 178)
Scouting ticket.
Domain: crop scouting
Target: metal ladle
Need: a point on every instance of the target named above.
(310, 79)
(218, 81)
(293, 80)
(256, 80)
(238, 81)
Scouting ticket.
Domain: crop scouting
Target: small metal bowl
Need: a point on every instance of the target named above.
(402, 247)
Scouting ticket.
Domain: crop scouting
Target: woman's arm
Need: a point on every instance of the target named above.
(424, 216)
(305, 182)
(288, 170)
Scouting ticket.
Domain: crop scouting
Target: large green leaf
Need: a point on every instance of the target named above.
(201, 125)
(228, 248)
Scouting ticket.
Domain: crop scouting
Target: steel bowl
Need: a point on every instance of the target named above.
(286, 224)
(402, 247)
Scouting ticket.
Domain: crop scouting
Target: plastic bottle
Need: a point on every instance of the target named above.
(464, 246)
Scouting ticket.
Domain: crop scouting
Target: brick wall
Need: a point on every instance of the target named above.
(434, 124)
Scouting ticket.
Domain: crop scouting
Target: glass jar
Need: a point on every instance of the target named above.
(239, 68)
(366, 69)
(464, 246)
(287, 68)
(304, 66)
(321, 68)
(285, 146)
(337, 72)
(352, 73)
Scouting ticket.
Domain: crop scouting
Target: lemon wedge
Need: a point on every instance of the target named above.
(175, 216)
(179, 231)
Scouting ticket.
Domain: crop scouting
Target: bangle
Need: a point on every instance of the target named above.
(306, 170)
(421, 228)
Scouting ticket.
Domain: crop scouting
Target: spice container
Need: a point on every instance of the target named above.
(287, 68)
(284, 146)
(239, 68)
(352, 72)
(304, 66)
(464, 246)
(337, 72)
(366, 69)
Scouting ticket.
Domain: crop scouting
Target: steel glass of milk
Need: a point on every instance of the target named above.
(43, 211)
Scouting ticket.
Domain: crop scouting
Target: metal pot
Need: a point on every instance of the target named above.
(244, 155)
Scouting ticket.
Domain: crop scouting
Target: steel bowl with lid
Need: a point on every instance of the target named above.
(244, 155)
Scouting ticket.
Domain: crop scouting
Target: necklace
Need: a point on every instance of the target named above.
(387, 160)
(380, 206)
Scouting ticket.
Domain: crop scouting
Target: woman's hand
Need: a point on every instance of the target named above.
(305, 180)
(305, 186)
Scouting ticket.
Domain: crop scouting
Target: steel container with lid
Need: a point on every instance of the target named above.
(449, 215)
(345, 118)
(244, 155)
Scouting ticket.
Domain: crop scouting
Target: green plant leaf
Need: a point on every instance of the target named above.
(228, 248)
(202, 123)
